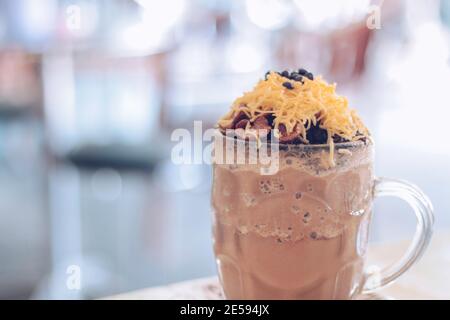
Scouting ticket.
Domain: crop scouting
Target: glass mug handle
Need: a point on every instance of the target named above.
(423, 211)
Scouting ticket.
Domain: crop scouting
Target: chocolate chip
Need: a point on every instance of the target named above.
(296, 77)
(317, 135)
(270, 118)
(288, 85)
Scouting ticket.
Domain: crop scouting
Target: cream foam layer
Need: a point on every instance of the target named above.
(314, 159)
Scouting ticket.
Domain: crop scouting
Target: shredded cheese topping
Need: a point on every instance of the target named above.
(313, 102)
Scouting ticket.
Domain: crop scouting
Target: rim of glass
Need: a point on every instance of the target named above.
(349, 144)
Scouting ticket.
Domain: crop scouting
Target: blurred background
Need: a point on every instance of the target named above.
(90, 92)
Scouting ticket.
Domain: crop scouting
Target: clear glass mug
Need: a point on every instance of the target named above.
(302, 232)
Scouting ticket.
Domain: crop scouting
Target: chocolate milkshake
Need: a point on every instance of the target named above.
(300, 233)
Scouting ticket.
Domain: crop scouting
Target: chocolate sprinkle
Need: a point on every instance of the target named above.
(317, 135)
(288, 85)
(296, 75)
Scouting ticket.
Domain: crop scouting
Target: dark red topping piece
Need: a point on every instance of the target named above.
(261, 123)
